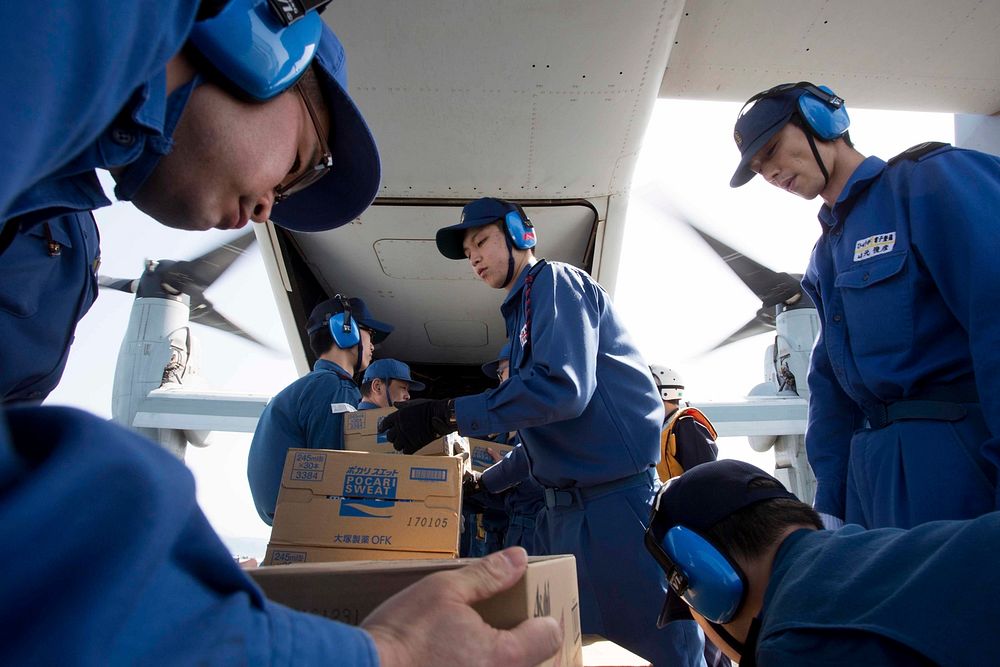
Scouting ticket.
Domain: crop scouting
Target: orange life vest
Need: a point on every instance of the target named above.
(669, 466)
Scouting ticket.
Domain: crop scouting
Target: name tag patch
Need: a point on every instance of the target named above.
(879, 244)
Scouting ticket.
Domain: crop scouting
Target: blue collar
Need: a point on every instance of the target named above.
(859, 181)
(324, 365)
(161, 116)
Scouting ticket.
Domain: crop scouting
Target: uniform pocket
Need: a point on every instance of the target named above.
(27, 268)
(878, 305)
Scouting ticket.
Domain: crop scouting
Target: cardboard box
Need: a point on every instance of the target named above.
(286, 554)
(348, 592)
(361, 435)
(355, 500)
(481, 459)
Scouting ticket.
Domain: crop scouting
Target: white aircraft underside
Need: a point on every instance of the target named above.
(546, 103)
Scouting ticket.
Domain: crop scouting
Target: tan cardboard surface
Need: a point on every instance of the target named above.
(378, 444)
(481, 460)
(286, 554)
(365, 422)
(370, 501)
(348, 592)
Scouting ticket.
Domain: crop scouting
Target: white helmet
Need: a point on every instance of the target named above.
(668, 381)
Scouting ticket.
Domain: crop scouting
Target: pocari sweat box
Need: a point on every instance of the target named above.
(377, 502)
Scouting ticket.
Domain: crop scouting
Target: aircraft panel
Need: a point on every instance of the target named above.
(891, 54)
(442, 313)
(523, 99)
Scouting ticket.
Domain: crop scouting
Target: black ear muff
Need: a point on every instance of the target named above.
(343, 328)
(519, 228)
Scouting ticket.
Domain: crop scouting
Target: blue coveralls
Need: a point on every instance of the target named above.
(582, 400)
(49, 281)
(906, 281)
(925, 596)
(120, 130)
(299, 416)
(113, 563)
(523, 497)
(159, 586)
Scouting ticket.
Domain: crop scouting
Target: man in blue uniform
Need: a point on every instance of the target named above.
(179, 138)
(904, 409)
(385, 382)
(770, 588)
(342, 335)
(523, 496)
(581, 398)
(86, 84)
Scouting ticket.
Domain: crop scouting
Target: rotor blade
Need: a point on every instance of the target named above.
(206, 269)
(206, 314)
(128, 285)
(751, 328)
(769, 286)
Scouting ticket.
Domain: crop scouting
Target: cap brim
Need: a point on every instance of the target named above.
(450, 239)
(674, 609)
(381, 329)
(744, 174)
(416, 386)
(352, 182)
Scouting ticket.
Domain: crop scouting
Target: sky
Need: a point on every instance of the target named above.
(676, 296)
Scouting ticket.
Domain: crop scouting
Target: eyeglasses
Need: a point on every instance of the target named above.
(318, 171)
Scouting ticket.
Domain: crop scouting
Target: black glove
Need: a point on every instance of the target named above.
(416, 423)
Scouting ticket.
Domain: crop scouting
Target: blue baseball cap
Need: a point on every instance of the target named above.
(756, 127)
(391, 369)
(352, 182)
(322, 313)
(478, 213)
(490, 367)
(710, 492)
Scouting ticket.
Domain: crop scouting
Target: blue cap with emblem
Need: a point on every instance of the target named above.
(756, 127)
(391, 369)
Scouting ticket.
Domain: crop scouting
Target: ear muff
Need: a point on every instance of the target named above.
(343, 328)
(254, 47)
(519, 228)
(824, 112)
(703, 576)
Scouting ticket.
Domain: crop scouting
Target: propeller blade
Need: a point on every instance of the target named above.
(771, 287)
(204, 270)
(128, 285)
(751, 328)
(203, 312)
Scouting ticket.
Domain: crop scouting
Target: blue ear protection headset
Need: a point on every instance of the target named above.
(343, 328)
(700, 574)
(822, 110)
(261, 47)
(519, 228)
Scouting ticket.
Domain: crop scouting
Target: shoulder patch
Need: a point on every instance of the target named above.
(915, 153)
